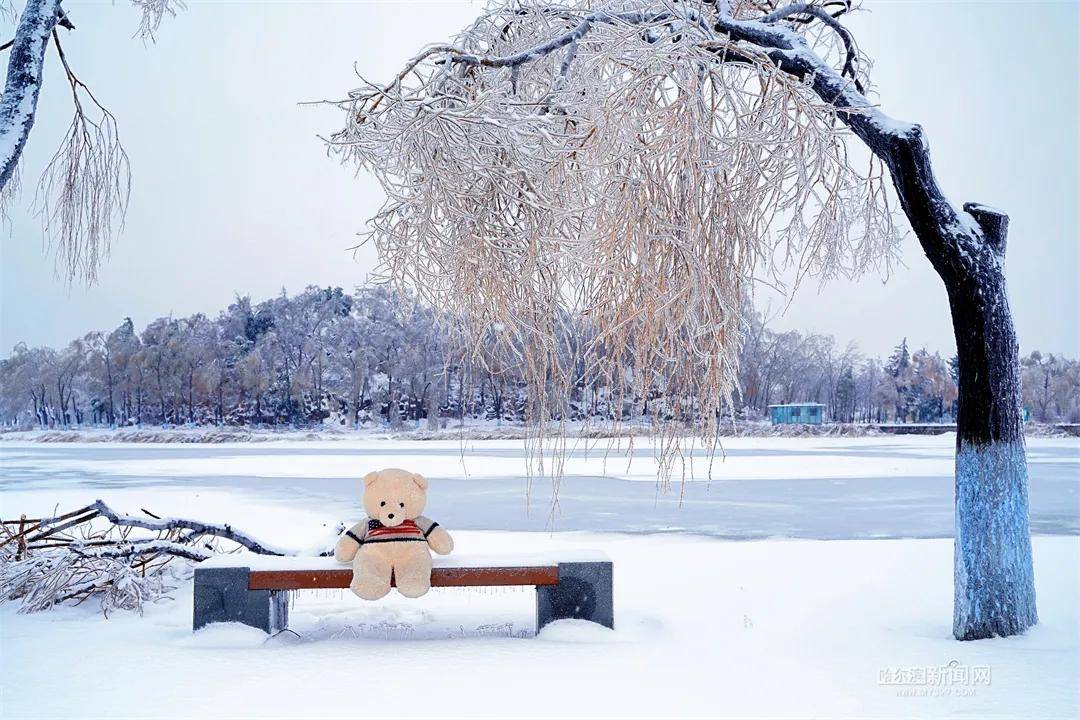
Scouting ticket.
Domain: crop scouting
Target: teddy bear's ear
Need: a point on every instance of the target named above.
(371, 477)
(420, 480)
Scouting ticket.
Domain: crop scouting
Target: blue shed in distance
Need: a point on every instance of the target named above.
(797, 414)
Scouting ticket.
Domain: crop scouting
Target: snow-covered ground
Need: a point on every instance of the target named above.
(705, 626)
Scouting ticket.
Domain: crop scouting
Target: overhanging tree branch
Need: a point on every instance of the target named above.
(18, 107)
(946, 237)
(829, 19)
(85, 187)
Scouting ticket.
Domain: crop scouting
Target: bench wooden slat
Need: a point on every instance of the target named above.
(440, 577)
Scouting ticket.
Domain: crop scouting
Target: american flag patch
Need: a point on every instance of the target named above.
(407, 530)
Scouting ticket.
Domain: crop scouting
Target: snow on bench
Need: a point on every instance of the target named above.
(254, 589)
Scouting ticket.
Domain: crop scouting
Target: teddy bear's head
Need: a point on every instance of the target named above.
(392, 496)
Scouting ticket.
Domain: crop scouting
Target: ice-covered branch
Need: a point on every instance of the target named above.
(457, 56)
(633, 170)
(85, 187)
(576, 34)
(133, 548)
(222, 531)
(950, 238)
(829, 19)
(76, 555)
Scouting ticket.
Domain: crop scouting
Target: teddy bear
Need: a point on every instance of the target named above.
(394, 539)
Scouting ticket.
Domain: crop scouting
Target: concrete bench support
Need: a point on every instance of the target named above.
(584, 592)
(222, 595)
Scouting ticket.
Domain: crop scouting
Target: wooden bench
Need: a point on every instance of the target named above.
(254, 589)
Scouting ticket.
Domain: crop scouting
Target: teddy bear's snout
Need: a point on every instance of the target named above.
(392, 519)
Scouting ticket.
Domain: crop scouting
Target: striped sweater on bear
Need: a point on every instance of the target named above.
(373, 531)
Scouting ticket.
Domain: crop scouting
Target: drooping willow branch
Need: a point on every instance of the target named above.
(86, 185)
(628, 165)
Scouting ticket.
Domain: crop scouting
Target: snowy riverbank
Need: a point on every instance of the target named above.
(472, 431)
(478, 430)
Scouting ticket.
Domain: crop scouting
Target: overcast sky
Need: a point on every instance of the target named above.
(233, 191)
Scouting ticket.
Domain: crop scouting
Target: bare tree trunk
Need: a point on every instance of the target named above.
(191, 396)
(461, 396)
(393, 415)
(430, 403)
(110, 414)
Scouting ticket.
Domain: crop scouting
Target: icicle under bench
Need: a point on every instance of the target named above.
(254, 589)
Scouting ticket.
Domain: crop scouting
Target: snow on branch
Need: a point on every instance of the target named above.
(143, 547)
(84, 189)
(829, 19)
(72, 556)
(18, 106)
(225, 532)
(626, 167)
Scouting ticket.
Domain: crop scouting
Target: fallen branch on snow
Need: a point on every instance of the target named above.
(198, 528)
(96, 551)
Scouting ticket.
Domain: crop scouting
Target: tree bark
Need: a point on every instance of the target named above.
(994, 590)
(18, 106)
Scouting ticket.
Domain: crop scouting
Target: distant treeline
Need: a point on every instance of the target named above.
(374, 357)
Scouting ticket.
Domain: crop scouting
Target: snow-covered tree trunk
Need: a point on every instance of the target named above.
(18, 107)
(994, 580)
(994, 590)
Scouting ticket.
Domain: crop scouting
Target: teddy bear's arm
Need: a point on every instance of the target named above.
(437, 538)
(349, 542)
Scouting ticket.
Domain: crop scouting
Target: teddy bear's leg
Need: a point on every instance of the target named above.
(371, 575)
(412, 570)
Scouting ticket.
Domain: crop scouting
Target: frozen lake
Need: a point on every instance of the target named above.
(823, 488)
